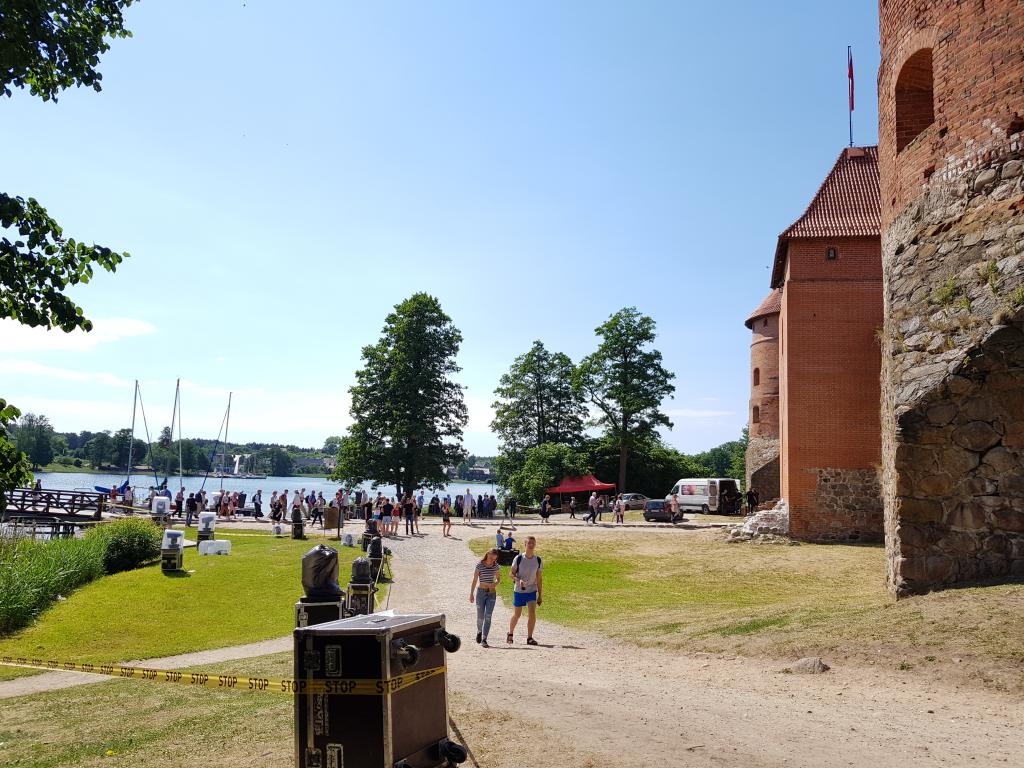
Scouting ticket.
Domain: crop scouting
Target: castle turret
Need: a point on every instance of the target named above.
(763, 415)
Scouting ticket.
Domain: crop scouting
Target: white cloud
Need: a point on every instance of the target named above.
(15, 337)
(32, 368)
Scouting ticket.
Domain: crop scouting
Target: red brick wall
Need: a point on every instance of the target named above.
(977, 58)
(829, 369)
(764, 357)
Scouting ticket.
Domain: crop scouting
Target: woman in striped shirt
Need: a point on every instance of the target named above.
(483, 592)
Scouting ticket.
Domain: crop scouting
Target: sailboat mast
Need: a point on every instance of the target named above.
(227, 425)
(177, 408)
(131, 440)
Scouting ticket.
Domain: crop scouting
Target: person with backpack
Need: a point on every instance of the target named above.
(526, 593)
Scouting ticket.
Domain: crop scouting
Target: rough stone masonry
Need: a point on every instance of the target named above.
(951, 95)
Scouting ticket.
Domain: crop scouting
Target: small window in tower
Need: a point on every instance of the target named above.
(764, 323)
(915, 98)
(756, 418)
(757, 376)
(831, 254)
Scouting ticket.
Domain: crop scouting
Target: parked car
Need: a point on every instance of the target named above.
(659, 511)
(634, 500)
(708, 494)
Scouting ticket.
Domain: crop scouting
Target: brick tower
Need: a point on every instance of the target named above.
(951, 115)
(828, 266)
(763, 448)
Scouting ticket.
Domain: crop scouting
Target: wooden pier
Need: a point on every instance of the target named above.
(26, 503)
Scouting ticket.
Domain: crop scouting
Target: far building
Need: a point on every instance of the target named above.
(763, 446)
(827, 279)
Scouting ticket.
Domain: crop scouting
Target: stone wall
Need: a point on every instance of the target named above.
(952, 229)
(763, 467)
(953, 380)
(849, 505)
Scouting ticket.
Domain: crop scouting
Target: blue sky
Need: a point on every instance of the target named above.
(283, 178)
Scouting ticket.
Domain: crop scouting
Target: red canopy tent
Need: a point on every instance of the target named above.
(581, 484)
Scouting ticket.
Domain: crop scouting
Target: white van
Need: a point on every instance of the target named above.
(702, 494)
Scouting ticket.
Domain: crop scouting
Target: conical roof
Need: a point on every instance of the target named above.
(771, 305)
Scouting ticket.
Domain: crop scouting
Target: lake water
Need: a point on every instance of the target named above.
(82, 481)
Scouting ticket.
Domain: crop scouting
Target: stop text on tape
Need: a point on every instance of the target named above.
(234, 682)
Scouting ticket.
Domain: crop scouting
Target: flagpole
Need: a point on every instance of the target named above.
(849, 62)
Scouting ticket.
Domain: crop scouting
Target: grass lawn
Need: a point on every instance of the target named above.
(695, 592)
(219, 601)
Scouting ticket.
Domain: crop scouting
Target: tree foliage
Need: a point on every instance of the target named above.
(50, 45)
(537, 403)
(626, 382)
(33, 436)
(37, 264)
(652, 467)
(408, 413)
(14, 467)
(281, 464)
(543, 466)
(47, 46)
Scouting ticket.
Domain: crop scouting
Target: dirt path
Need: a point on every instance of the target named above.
(591, 700)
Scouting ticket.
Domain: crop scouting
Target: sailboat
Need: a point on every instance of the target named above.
(131, 444)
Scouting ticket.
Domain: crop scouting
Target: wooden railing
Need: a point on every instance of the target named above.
(44, 502)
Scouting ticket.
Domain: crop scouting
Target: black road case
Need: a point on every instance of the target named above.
(391, 705)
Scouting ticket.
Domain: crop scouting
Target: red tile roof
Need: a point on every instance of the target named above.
(846, 205)
(771, 305)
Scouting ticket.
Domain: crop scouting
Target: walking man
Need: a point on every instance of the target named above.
(526, 575)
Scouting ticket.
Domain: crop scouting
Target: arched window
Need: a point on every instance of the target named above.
(756, 418)
(915, 98)
(757, 376)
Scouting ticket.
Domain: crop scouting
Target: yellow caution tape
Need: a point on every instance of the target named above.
(340, 686)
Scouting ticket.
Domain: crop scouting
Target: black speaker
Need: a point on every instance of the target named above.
(387, 700)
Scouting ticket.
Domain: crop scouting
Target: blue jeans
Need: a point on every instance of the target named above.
(485, 599)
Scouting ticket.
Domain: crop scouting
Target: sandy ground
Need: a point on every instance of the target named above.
(593, 701)
(584, 700)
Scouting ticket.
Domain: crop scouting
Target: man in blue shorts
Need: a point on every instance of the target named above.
(526, 575)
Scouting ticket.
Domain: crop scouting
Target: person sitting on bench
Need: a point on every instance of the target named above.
(499, 539)
(509, 542)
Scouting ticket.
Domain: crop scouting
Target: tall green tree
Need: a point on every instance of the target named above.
(47, 46)
(33, 437)
(408, 413)
(99, 449)
(626, 382)
(537, 402)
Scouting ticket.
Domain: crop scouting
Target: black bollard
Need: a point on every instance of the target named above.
(359, 597)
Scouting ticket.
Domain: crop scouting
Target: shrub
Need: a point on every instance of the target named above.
(127, 543)
(34, 573)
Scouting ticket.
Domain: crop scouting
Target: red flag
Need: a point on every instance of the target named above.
(849, 54)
